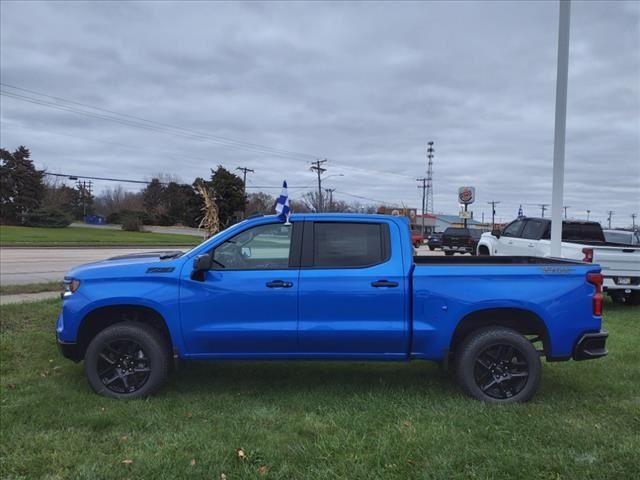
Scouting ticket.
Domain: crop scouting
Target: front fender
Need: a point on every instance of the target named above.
(160, 295)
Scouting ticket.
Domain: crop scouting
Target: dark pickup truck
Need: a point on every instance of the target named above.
(460, 240)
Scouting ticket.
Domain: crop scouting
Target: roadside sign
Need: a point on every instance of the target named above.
(466, 195)
(465, 214)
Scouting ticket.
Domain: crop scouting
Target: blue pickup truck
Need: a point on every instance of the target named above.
(325, 286)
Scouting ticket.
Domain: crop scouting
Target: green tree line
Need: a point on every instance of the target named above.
(29, 197)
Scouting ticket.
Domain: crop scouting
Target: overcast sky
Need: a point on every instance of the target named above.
(272, 86)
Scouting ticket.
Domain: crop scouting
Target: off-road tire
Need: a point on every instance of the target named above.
(155, 352)
(472, 359)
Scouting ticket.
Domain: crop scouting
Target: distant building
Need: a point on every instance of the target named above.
(440, 222)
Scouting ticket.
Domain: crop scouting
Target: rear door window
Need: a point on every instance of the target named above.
(349, 245)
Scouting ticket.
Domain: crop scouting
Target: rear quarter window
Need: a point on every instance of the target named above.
(349, 245)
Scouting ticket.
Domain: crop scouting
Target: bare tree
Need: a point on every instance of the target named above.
(210, 220)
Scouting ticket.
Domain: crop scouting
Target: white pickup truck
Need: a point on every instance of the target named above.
(580, 241)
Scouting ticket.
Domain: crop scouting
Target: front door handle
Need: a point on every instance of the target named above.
(384, 283)
(279, 284)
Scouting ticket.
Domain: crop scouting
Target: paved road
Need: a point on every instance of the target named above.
(19, 266)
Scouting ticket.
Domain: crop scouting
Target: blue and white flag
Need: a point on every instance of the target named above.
(520, 213)
(282, 205)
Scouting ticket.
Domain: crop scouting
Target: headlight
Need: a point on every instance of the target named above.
(70, 285)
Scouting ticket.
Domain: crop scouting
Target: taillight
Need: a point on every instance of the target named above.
(588, 255)
(596, 280)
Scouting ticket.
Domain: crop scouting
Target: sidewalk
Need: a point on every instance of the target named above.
(27, 297)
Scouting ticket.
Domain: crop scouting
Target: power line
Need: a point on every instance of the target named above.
(108, 179)
(175, 131)
(226, 140)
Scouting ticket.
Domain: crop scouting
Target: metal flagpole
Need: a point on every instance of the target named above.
(560, 128)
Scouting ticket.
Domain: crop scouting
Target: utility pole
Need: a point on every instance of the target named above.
(424, 196)
(329, 192)
(543, 207)
(84, 187)
(610, 212)
(317, 167)
(633, 221)
(588, 214)
(493, 204)
(565, 210)
(429, 180)
(244, 171)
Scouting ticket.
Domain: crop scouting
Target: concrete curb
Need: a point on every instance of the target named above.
(27, 297)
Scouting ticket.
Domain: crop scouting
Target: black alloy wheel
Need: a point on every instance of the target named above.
(123, 366)
(501, 371)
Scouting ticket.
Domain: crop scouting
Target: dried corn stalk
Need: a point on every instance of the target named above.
(210, 221)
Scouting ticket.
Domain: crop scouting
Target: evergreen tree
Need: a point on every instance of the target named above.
(21, 185)
(230, 198)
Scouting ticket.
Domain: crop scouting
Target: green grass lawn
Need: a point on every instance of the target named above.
(309, 420)
(11, 236)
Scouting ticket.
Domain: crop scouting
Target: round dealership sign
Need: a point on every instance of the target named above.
(466, 195)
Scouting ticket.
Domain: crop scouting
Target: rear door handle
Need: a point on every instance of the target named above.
(384, 283)
(279, 284)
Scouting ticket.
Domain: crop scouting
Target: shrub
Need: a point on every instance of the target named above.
(47, 217)
(132, 223)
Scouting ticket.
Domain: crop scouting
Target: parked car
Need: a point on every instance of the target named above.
(417, 238)
(583, 241)
(623, 237)
(434, 241)
(335, 287)
(460, 240)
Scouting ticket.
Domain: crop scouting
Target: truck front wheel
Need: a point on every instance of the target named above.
(127, 360)
(498, 365)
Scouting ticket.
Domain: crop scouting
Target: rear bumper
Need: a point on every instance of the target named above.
(591, 346)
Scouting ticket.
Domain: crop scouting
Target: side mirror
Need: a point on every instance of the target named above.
(246, 252)
(496, 233)
(201, 264)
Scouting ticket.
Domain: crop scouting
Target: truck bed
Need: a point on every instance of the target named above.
(487, 260)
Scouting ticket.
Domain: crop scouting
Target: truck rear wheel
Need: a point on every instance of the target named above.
(498, 365)
(127, 360)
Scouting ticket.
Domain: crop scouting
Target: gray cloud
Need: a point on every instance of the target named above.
(363, 84)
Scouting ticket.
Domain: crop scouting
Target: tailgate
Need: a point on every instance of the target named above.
(618, 261)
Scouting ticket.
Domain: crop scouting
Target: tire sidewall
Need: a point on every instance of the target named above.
(150, 342)
(487, 338)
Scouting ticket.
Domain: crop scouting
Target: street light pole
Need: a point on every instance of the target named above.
(559, 136)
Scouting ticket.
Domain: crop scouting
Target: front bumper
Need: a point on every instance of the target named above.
(591, 346)
(69, 350)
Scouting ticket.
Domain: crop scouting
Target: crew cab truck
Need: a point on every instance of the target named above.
(329, 286)
(581, 240)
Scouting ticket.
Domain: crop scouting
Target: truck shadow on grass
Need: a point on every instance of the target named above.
(308, 377)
